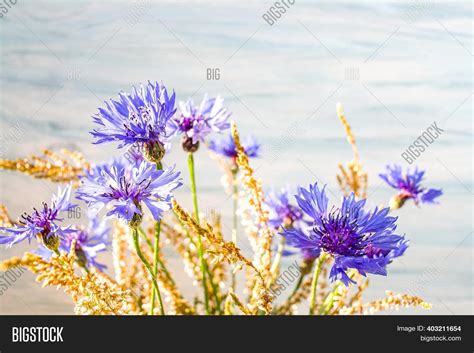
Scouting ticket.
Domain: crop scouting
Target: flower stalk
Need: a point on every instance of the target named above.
(143, 259)
(235, 204)
(156, 250)
(314, 283)
(199, 245)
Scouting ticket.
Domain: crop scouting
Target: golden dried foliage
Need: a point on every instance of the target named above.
(185, 246)
(64, 166)
(5, 220)
(219, 269)
(221, 250)
(288, 307)
(391, 302)
(232, 300)
(177, 303)
(119, 251)
(260, 296)
(352, 178)
(93, 293)
(218, 247)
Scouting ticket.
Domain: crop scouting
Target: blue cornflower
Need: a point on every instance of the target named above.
(195, 123)
(89, 242)
(356, 239)
(43, 223)
(282, 212)
(125, 189)
(140, 118)
(408, 186)
(226, 147)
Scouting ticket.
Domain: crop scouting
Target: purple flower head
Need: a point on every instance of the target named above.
(196, 122)
(43, 223)
(226, 147)
(140, 118)
(127, 190)
(409, 186)
(356, 239)
(89, 242)
(282, 212)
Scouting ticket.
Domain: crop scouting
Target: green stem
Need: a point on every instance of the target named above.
(148, 267)
(196, 215)
(147, 240)
(314, 283)
(215, 290)
(154, 293)
(276, 262)
(160, 262)
(156, 251)
(329, 300)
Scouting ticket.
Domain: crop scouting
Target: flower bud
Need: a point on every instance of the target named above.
(188, 145)
(50, 241)
(397, 201)
(154, 151)
(234, 167)
(81, 257)
(135, 221)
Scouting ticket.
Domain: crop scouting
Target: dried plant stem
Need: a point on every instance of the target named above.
(314, 283)
(295, 298)
(220, 249)
(199, 245)
(148, 267)
(260, 297)
(63, 166)
(235, 197)
(354, 179)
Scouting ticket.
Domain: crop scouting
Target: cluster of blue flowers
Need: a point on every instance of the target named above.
(354, 237)
(147, 118)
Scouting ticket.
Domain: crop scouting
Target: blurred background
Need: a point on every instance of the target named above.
(397, 67)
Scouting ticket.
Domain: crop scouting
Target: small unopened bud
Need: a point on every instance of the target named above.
(234, 167)
(135, 221)
(188, 145)
(51, 241)
(81, 257)
(397, 201)
(287, 223)
(154, 151)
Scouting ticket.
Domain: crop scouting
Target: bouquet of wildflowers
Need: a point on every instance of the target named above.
(134, 215)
